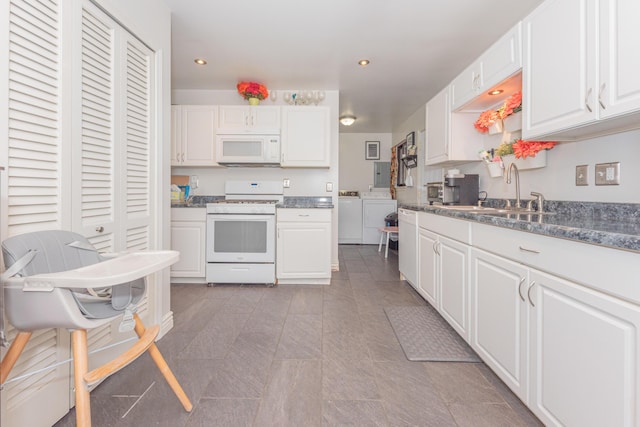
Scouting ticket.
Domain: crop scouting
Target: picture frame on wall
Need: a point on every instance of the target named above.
(411, 139)
(372, 150)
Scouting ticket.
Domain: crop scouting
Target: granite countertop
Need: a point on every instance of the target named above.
(306, 203)
(614, 225)
(290, 202)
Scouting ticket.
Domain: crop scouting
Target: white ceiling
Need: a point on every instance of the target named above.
(416, 47)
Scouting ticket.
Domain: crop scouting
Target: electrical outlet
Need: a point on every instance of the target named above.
(608, 173)
(582, 175)
(329, 187)
(286, 183)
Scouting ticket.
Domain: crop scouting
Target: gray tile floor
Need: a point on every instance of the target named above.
(302, 356)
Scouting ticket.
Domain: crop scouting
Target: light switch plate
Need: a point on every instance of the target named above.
(286, 183)
(608, 173)
(582, 175)
(329, 187)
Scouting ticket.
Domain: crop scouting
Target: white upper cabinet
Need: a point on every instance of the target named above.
(450, 137)
(497, 63)
(193, 135)
(306, 137)
(247, 119)
(580, 66)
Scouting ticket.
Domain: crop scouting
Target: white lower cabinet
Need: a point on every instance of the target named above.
(444, 268)
(585, 349)
(408, 246)
(562, 332)
(188, 236)
(303, 246)
(427, 266)
(499, 318)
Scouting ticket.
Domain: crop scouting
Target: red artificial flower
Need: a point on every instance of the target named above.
(252, 90)
(524, 149)
(511, 105)
(486, 119)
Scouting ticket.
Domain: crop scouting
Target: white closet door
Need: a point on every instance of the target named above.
(95, 181)
(34, 188)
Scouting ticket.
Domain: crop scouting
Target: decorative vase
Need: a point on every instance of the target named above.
(254, 101)
(539, 161)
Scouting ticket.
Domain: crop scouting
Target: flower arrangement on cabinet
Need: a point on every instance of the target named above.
(252, 90)
(523, 149)
(488, 118)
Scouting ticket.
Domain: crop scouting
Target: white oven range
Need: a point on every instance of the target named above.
(241, 233)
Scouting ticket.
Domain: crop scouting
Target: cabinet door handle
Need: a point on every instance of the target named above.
(533, 251)
(529, 293)
(100, 229)
(303, 214)
(586, 100)
(520, 288)
(600, 96)
(435, 248)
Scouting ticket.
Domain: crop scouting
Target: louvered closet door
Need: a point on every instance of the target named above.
(35, 191)
(114, 150)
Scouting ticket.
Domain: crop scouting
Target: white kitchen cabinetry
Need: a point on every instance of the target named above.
(584, 355)
(193, 135)
(349, 220)
(444, 257)
(303, 246)
(306, 137)
(245, 119)
(188, 236)
(580, 66)
(428, 266)
(496, 64)
(373, 214)
(408, 246)
(499, 317)
(450, 137)
(580, 348)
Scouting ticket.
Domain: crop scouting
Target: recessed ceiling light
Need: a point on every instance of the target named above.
(363, 62)
(200, 61)
(347, 120)
(495, 92)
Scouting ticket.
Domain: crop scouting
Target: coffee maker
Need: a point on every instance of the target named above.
(460, 190)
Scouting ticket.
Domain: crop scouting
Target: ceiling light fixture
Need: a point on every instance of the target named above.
(347, 120)
(495, 92)
(363, 62)
(200, 61)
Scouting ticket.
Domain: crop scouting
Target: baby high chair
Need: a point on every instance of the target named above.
(57, 279)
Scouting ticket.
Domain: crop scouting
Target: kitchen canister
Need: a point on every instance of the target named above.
(495, 169)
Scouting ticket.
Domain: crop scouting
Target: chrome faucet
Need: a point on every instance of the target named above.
(513, 166)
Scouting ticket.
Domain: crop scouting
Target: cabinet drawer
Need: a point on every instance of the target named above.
(449, 227)
(304, 215)
(613, 271)
(188, 214)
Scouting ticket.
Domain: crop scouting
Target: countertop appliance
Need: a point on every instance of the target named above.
(248, 150)
(460, 190)
(241, 233)
(349, 217)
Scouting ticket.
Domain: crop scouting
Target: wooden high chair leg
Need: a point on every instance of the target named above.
(81, 367)
(164, 368)
(15, 350)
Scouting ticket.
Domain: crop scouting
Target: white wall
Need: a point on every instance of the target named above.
(304, 181)
(557, 180)
(356, 173)
(414, 123)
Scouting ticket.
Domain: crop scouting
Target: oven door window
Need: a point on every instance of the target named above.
(241, 238)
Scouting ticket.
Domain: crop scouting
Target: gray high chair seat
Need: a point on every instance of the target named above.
(57, 279)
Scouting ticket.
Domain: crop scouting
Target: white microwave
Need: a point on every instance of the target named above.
(248, 150)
